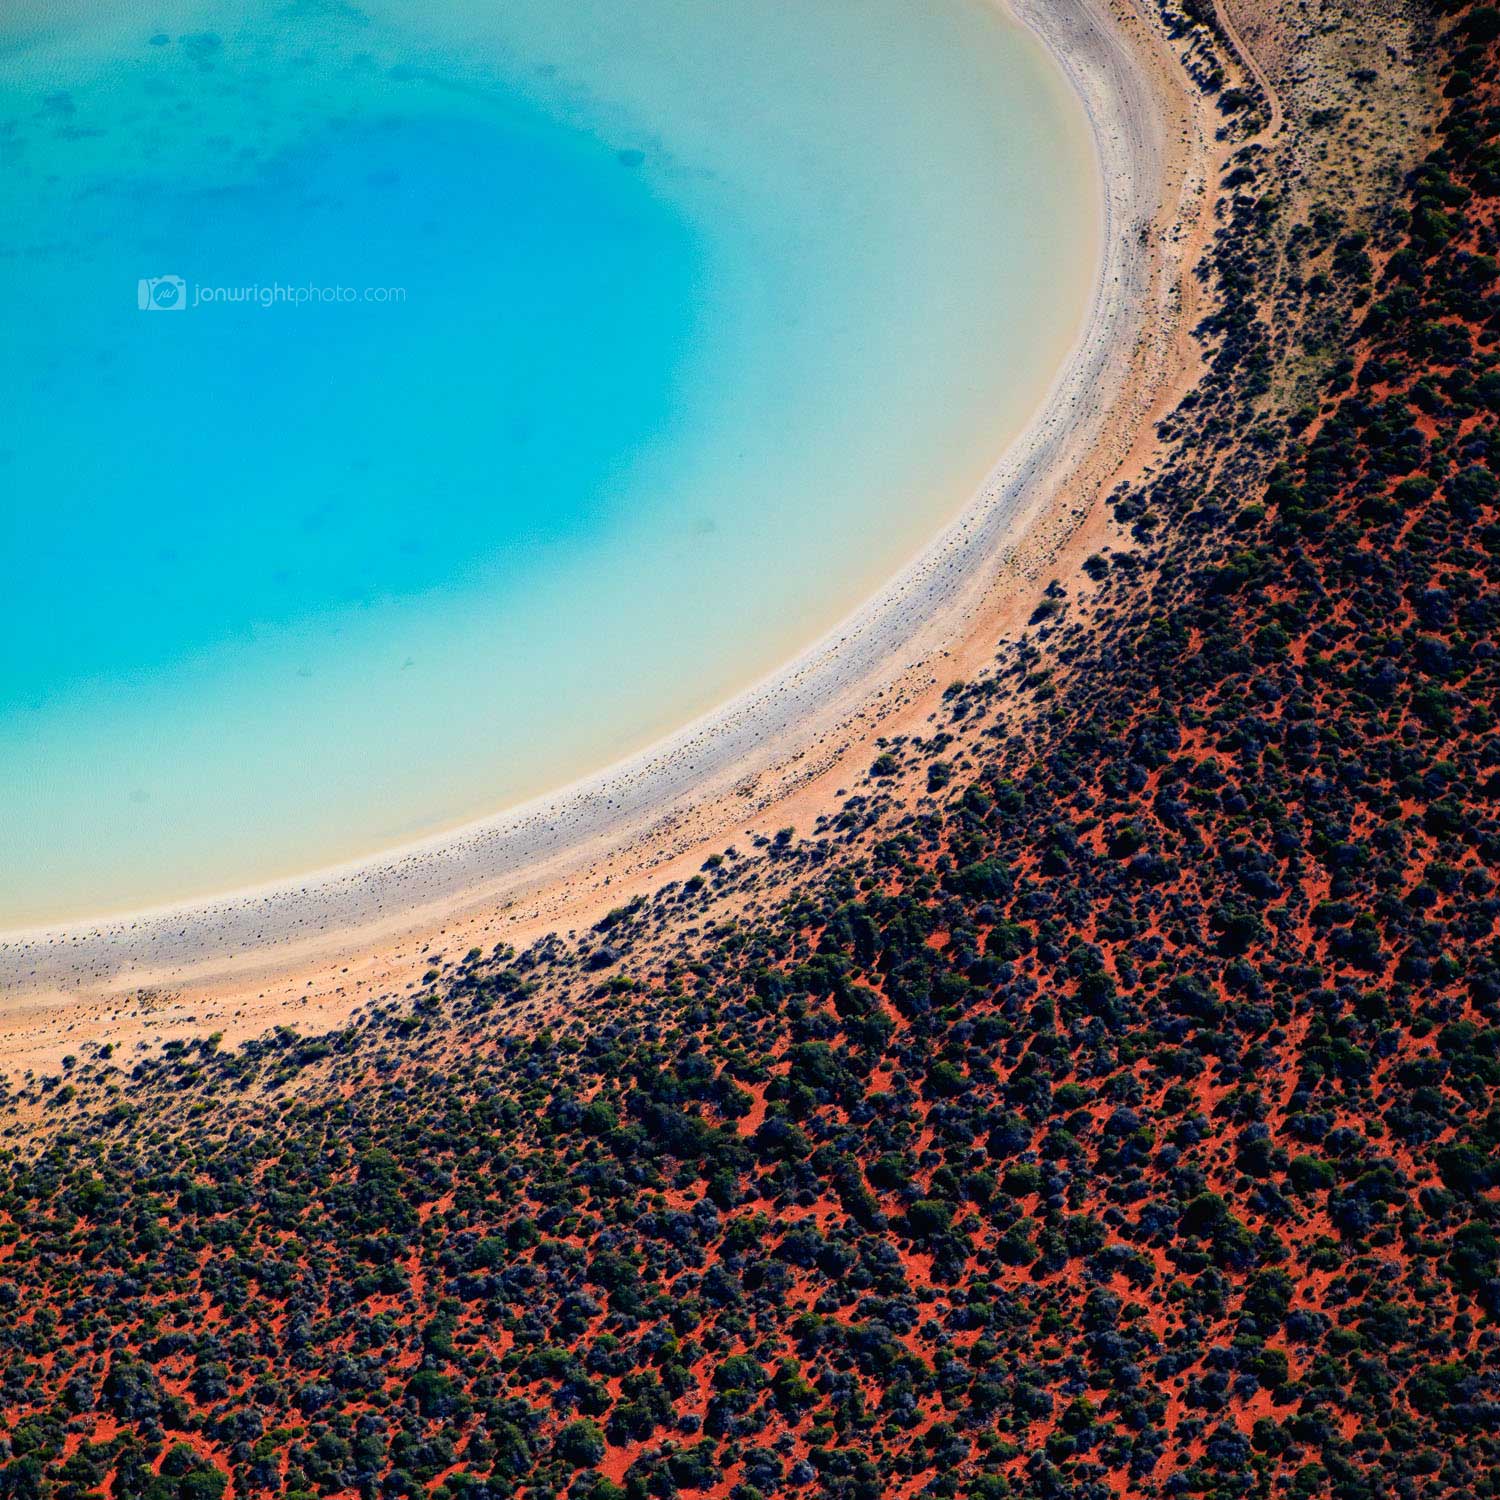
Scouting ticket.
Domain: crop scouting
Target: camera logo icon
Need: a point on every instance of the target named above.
(161, 294)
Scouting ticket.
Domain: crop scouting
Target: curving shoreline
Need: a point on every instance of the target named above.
(927, 608)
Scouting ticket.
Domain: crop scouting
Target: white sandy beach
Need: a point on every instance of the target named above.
(739, 763)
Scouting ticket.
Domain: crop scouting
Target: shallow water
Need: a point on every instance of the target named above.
(663, 334)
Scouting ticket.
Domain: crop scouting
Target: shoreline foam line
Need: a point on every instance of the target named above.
(776, 719)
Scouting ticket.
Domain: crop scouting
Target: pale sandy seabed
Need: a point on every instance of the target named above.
(308, 952)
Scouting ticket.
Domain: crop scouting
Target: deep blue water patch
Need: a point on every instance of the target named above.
(193, 476)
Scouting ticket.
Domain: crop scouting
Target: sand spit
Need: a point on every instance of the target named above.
(757, 760)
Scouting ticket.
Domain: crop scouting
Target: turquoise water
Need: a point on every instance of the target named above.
(547, 372)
